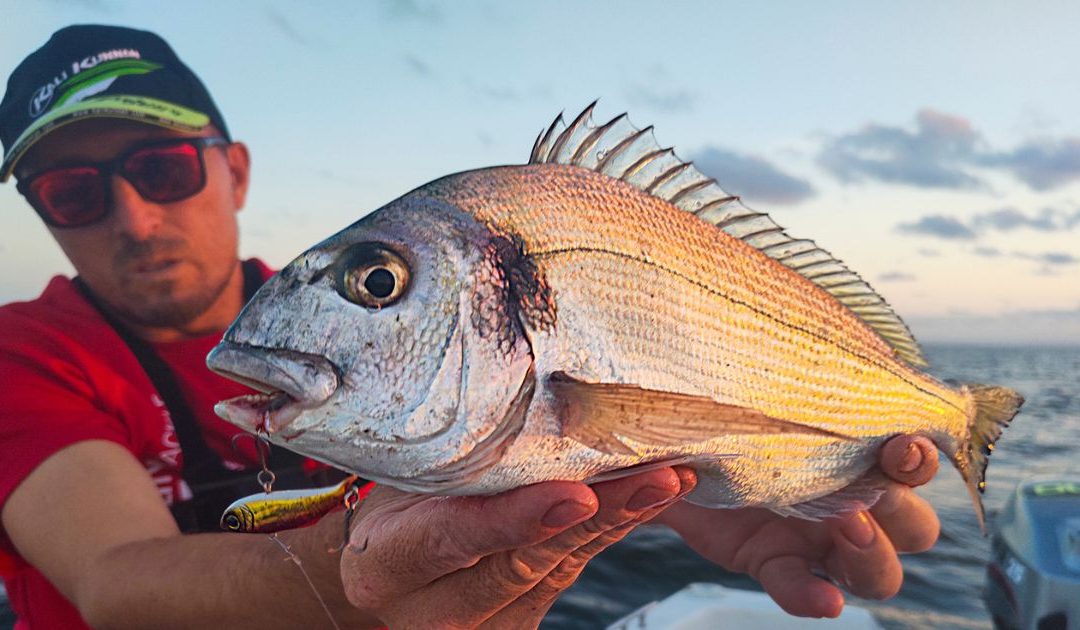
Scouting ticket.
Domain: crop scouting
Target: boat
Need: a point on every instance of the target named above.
(1033, 576)
(707, 606)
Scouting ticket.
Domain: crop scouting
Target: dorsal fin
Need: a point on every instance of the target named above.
(619, 149)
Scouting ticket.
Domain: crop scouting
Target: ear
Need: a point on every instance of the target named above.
(240, 171)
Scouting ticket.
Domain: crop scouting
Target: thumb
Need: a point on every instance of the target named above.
(402, 542)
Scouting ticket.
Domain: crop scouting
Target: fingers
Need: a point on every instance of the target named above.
(863, 558)
(909, 459)
(779, 556)
(506, 581)
(543, 594)
(905, 517)
(403, 542)
(789, 581)
(715, 534)
(908, 519)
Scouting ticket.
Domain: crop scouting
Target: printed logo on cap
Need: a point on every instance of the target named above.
(86, 77)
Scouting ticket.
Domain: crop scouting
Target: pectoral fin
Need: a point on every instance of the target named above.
(861, 494)
(600, 415)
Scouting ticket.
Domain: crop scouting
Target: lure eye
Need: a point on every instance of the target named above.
(232, 523)
(373, 276)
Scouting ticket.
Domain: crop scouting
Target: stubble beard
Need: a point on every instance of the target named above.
(157, 305)
(157, 308)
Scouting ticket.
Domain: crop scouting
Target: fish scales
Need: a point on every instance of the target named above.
(551, 321)
(784, 339)
(796, 321)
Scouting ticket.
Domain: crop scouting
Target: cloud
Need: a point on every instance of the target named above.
(1008, 219)
(411, 11)
(1051, 326)
(939, 226)
(1050, 258)
(94, 5)
(896, 276)
(929, 253)
(1049, 261)
(755, 178)
(285, 27)
(932, 156)
(665, 101)
(493, 92)
(1042, 164)
(941, 152)
(418, 66)
(1001, 220)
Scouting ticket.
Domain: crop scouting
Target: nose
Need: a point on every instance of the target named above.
(131, 214)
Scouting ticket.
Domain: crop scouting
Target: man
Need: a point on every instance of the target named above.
(106, 422)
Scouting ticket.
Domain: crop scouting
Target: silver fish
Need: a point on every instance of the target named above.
(603, 308)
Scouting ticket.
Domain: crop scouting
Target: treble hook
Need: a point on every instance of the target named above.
(351, 500)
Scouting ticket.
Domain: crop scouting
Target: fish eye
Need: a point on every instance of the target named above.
(232, 522)
(372, 276)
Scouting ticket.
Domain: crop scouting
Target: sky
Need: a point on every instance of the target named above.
(933, 147)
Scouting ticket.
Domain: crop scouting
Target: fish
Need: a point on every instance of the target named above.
(603, 309)
(277, 510)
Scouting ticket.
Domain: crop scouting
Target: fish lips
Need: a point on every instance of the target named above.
(290, 381)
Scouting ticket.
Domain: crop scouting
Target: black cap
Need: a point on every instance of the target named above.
(104, 72)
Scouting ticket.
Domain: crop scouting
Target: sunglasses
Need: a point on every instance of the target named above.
(78, 195)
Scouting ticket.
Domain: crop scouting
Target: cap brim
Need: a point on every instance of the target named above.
(139, 108)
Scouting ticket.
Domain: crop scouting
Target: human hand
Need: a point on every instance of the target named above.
(418, 561)
(859, 551)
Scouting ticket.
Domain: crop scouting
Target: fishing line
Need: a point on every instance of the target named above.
(296, 560)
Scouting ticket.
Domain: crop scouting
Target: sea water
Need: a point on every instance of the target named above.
(942, 587)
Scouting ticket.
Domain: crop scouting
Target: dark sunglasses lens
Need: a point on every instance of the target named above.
(165, 174)
(69, 197)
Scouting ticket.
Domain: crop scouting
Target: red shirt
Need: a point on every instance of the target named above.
(65, 377)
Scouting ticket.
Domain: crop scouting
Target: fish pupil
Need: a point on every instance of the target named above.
(380, 283)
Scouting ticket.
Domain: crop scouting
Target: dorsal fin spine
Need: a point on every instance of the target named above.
(621, 146)
(533, 155)
(747, 237)
(593, 138)
(667, 176)
(539, 154)
(692, 188)
(643, 161)
(716, 203)
(577, 123)
(814, 263)
(738, 219)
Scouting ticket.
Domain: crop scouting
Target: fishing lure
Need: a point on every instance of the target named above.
(273, 511)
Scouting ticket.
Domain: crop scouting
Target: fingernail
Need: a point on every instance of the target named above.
(913, 457)
(566, 513)
(858, 529)
(648, 497)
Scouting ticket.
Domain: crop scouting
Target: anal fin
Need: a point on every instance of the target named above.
(601, 415)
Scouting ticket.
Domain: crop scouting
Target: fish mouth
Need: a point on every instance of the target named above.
(290, 382)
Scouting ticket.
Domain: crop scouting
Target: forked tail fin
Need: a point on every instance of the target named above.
(994, 409)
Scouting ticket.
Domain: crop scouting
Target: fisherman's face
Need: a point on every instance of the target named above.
(155, 265)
